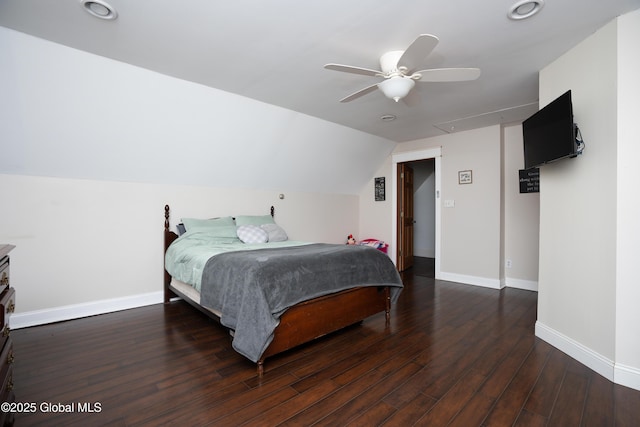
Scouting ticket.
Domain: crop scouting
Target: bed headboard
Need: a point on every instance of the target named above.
(170, 236)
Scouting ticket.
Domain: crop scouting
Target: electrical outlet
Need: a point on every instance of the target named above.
(508, 263)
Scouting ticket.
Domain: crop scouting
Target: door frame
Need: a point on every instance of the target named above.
(409, 156)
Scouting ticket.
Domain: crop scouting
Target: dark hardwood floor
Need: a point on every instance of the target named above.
(453, 355)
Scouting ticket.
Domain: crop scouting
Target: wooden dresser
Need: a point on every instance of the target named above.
(7, 306)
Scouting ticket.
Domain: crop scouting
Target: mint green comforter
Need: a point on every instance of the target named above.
(187, 255)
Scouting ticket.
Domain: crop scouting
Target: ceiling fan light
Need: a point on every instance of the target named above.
(396, 88)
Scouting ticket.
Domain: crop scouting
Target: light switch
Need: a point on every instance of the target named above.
(449, 203)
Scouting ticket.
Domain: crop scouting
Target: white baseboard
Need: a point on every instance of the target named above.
(582, 354)
(527, 285)
(618, 373)
(471, 280)
(627, 376)
(76, 311)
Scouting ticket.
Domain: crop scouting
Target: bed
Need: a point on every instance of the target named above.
(273, 294)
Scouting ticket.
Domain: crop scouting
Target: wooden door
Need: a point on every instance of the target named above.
(405, 217)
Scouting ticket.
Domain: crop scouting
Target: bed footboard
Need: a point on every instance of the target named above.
(315, 318)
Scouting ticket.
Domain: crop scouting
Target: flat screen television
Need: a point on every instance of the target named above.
(550, 134)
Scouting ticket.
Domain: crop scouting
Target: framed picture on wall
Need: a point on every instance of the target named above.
(379, 189)
(464, 177)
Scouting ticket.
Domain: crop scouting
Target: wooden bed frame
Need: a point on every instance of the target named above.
(307, 320)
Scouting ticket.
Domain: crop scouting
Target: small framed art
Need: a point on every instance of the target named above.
(464, 177)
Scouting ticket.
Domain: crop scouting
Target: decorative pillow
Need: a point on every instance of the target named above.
(217, 227)
(254, 220)
(252, 234)
(180, 228)
(275, 232)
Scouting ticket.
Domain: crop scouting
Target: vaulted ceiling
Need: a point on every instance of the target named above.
(275, 51)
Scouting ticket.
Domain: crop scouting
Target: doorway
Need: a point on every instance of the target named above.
(403, 231)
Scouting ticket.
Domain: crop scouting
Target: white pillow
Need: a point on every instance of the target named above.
(275, 232)
(252, 234)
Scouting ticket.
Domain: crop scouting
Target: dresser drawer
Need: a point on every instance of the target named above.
(7, 307)
(7, 395)
(6, 361)
(4, 274)
(7, 384)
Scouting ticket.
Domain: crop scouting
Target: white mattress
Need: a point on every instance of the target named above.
(191, 293)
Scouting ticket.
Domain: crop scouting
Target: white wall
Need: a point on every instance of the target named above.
(92, 149)
(521, 216)
(589, 208)
(474, 234)
(375, 217)
(82, 241)
(578, 201)
(470, 251)
(628, 203)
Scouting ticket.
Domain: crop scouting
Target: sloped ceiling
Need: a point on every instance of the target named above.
(275, 51)
(71, 114)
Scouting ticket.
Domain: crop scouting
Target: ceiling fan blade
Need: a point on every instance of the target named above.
(448, 74)
(417, 51)
(360, 93)
(353, 70)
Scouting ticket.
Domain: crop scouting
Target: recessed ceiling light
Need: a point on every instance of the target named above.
(388, 118)
(100, 9)
(525, 9)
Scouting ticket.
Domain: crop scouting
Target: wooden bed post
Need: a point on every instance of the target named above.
(169, 237)
(387, 310)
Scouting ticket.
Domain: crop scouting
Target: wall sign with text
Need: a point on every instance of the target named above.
(379, 189)
(529, 180)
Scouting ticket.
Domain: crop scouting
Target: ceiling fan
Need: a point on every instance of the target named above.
(397, 69)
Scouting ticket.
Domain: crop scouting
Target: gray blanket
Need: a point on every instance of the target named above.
(253, 288)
